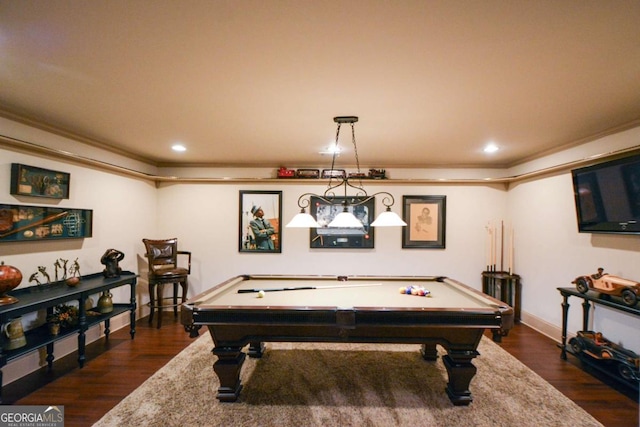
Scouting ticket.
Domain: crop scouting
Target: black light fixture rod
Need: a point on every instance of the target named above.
(345, 119)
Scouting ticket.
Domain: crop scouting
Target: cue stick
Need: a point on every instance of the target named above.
(303, 288)
(501, 245)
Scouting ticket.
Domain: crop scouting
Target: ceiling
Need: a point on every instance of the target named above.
(258, 82)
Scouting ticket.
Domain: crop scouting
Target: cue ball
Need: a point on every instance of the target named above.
(260, 294)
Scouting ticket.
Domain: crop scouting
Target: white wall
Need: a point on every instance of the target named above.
(205, 219)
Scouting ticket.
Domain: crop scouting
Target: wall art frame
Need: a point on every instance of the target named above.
(260, 232)
(345, 238)
(426, 222)
(23, 223)
(39, 182)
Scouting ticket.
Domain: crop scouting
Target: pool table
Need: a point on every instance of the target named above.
(359, 309)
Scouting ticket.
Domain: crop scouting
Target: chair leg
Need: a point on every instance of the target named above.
(175, 299)
(185, 289)
(160, 293)
(152, 301)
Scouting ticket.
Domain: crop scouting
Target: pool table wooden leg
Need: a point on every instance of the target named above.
(256, 349)
(227, 368)
(461, 371)
(429, 351)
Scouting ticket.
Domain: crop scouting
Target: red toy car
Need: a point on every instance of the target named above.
(286, 173)
(605, 283)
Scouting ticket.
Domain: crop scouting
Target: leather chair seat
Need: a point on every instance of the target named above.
(170, 274)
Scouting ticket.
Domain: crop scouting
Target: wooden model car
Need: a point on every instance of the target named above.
(605, 283)
(594, 345)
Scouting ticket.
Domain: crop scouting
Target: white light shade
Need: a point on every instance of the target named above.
(303, 220)
(388, 219)
(346, 220)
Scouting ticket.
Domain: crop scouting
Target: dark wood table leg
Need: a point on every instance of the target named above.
(132, 312)
(256, 349)
(461, 371)
(50, 357)
(586, 308)
(565, 313)
(429, 351)
(107, 329)
(227, 368)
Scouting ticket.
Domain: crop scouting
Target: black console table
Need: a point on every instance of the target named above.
(46, 297)
(590, 298)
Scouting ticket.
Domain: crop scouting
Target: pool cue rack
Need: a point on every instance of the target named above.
(504, 286)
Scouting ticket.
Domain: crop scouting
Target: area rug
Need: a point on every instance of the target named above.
(318, 384)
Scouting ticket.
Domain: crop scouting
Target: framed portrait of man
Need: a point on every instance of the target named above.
(260, 219)
(426, 220)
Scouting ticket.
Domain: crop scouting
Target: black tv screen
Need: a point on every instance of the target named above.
(607, 196)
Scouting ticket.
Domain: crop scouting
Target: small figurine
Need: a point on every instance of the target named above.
(110, 260)
(74, 270)
(34, 278)
(62, 265)
(43, 270)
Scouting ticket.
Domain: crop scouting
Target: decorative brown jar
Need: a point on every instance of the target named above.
(10, 278)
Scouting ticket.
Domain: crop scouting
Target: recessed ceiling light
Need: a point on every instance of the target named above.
(491, 148)
(179, 148)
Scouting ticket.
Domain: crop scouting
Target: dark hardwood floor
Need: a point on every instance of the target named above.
(117, 367)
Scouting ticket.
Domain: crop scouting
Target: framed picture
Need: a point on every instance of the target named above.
(260, 219)
(20, 223)
(38, 182)
(332, 237)
(426, 222)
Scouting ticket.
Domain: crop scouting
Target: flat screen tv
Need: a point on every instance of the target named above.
(607, 196)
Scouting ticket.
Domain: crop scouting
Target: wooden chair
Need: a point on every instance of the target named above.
(164, 268)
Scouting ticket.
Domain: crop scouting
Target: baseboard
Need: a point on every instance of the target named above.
(540, 325)
(35, 360)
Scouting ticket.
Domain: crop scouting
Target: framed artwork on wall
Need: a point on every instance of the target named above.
(337, 237)
(260, 222)
(20, 223)
(39, 182)
(426, 222)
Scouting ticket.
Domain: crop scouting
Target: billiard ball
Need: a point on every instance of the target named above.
(261, 294)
